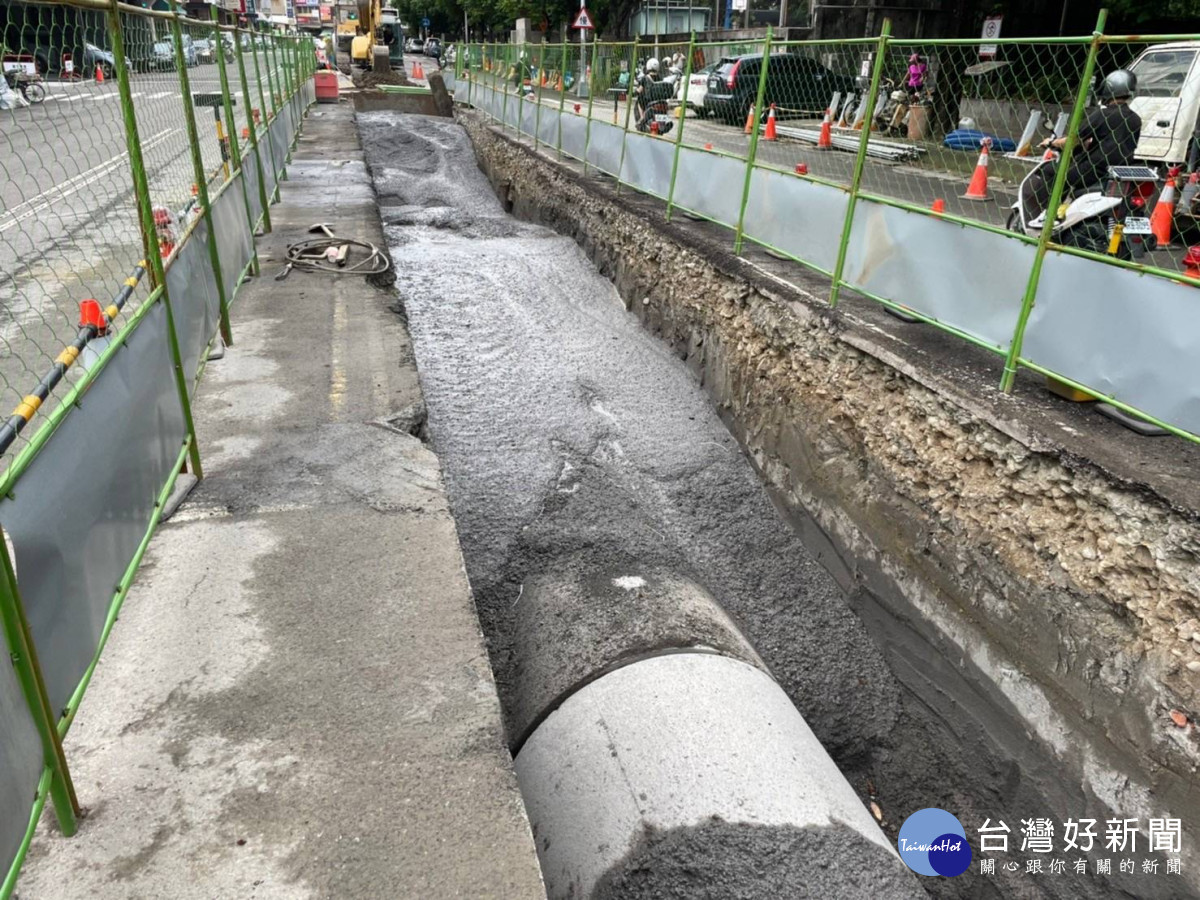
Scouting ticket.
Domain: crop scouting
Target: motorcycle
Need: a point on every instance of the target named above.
(1108, 219)
(653, 106)
(28, 85)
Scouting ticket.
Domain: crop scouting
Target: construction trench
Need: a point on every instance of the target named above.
(717, 539)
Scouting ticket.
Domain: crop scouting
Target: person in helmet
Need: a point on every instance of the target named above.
(649, 77)
(1108, 137)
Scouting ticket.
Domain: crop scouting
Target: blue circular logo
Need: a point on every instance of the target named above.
(933, 842)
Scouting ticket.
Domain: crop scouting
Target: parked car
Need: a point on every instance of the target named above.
(433, 48)
(1168, 101)
(94, 57)
(796, 84)
(163, 56)
(414, 45)
(206, 52)
(697, 87)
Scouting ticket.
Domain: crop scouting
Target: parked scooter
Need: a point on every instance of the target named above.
(26, 84)
(1109, 219)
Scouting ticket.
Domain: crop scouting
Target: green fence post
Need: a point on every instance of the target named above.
(629, 89)
(687, 77)
(1056, 194)
(23, 656)
(562, 95)
(235, 152)
(141, 192)
(522, 60)
(269, 65)
(590, 77)
(245, 83)
(860, 160)
(752, 152)
(537, 115)
(189, 119)
(503, 82)
(264, 117)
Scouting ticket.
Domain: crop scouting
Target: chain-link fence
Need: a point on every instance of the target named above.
(1006, 192)
(140, 151)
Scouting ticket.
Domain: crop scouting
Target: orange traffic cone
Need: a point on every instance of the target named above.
(978, 189)
(541, 79)
(801, 168)
(1164, 211)
(770, 134)
(939, 206)
(418, 72)
(708, 146)
(825, 140)
(92, 316)
(99, 75)
(749, 120)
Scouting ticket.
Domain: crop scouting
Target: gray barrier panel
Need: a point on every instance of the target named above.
(604, 149)
(548, 127)
(710, 184)
(528, 118)
(574, 135)
(279, 144)
(800, 217)
(1122, 334)
(234, 243)
(20, 764)
(250, 174)
(75, 534)
(449, 80)
(976, 283)
(194, 299)
(510, 106)
(648, 163)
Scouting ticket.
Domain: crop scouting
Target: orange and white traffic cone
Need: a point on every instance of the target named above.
(939, 206)
(825, 139)
(1164, 211)
(771, 134)
(749, 120)
(978, 188)
(99, 75)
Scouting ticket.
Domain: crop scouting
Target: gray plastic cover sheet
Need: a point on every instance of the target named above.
(648, 163)
(710, 184)
(528, 117)
(279, 143)
(800, 217)
(604, 149)
(1125, 335)
(250, 174)
(976, 282)
(547, 128)
(574, 135)
(192, 287)
(84, 504)
(511, 107)
(232, 231)
(20, 764)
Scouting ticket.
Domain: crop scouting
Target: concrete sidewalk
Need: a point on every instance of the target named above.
(297, 700)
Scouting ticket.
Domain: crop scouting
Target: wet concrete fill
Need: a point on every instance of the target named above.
(576, 446)
(574, 442)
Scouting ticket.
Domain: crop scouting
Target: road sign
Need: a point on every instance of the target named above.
(991, 31)
(425, 23)
(583, 19)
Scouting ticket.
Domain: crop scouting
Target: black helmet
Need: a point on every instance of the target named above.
(1118, 85)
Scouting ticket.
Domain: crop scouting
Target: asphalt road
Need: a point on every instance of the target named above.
(68, 221)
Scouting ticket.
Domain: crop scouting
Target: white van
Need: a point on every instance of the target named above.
(1168, 100)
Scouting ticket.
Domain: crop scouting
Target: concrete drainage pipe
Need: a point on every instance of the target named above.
(683, 773)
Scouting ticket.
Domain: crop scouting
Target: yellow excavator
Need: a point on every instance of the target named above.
(379, 40)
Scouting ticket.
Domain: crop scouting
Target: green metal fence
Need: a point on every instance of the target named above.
(861, 159)
(134, 180)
